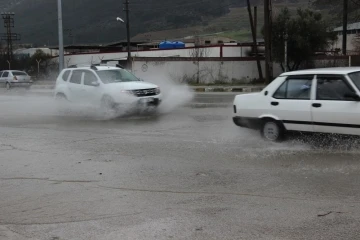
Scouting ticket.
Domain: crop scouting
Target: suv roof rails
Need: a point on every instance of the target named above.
(93, 66)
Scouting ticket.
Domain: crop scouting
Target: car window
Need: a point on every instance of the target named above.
(281, 92)
(295, 88)
(76, 77)
(332, 88)
(355, 77)
(17, 73)
(116, 75)
(65, 75)
(1, 73)
(6, 74)
(89, 78)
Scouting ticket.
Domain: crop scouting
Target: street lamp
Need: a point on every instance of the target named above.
(61, 38)
(120, 19)
(128, 40)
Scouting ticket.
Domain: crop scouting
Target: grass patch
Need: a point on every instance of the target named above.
(241, 35)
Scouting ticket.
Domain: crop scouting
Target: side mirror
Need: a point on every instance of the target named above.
(352, 95)
(95, 84)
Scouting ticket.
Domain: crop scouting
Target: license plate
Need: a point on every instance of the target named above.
(146, 100)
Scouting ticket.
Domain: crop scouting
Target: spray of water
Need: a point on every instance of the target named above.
(174, 94)
(17, 102)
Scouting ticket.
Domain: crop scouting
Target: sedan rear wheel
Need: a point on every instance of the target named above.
(272, 131)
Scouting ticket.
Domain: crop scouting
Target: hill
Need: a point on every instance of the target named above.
(93, 21)
(235, 24)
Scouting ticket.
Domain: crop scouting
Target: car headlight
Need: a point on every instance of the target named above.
(130, 92)
(157, 91)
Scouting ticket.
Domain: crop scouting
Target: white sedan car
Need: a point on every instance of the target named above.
(106, 86)
(15, 78)
(319, 100)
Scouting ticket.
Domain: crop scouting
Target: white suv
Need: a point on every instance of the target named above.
(319, 100)
(106, 86)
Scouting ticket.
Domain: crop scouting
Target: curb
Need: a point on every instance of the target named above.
(228, 89)
(208, 105)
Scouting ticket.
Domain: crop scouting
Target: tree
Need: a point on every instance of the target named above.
(335, 9)
(307, 33)
(197, 53)
(42, 62)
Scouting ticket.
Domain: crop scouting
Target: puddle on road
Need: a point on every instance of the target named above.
(204, 125)
(18, 104)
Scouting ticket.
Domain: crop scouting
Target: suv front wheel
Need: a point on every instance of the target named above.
(107, 103)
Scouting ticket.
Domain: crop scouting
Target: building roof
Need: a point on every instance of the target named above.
(351, 26)
(336, 70)
(124, 43)
(99, 46)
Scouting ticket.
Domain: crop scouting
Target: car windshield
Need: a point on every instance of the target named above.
(116, 75)
(355, 77)
(19, 73)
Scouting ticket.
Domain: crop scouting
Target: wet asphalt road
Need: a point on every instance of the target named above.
(199, 97)
(184, 174)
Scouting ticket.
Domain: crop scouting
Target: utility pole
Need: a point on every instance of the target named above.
(285, 51)
(286, 44)
(345, 19)
(128, 33)
(61, 38)
(9, 37)
(255, 21)
(267, 38)
(255, 45)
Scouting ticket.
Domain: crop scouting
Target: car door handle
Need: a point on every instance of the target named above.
(317, 105)
(274, 103)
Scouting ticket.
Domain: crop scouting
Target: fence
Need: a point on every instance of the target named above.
(198, 70)
(232, 70)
